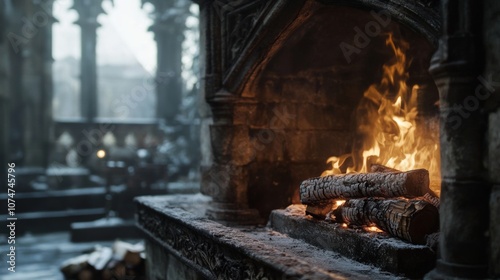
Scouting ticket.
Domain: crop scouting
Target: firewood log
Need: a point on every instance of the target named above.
(382, 168)
(410, 220)
(320, 210)
(409, 184)
(432, 199)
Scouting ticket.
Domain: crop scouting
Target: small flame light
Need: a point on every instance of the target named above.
(101, 154)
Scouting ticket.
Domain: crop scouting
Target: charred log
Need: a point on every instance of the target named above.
(382, 168)
(393, 184)
(411, 220)
(432, 199)
(320, 210)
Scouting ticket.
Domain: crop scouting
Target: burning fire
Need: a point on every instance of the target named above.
(387, 124)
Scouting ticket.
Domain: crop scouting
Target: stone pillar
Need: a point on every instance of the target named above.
(464, 211)
(169, 25)
(226, 180)
(4, 89)
(31, 81)
(492, 74)
(88, 11)
(224, 171)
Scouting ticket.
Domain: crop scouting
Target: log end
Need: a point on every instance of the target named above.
(417, 183)
(424, 223)
(319, 211)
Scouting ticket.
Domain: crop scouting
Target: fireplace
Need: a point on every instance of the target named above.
(292, 84)
(284, 107)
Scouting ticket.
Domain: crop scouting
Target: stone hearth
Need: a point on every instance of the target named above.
(182, 244)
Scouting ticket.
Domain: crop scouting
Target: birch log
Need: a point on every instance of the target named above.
(409, 184)
(411, 220)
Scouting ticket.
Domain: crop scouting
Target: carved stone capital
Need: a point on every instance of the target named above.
(88, 11)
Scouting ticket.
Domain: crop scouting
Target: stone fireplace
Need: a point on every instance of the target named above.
(283, 102)
(283, 81)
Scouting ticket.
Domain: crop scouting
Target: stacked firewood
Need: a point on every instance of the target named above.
(399, 203)
(123, 261)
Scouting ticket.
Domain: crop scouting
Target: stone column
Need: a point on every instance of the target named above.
(88, 11)
(31, 81)
(492, 74)
(224, 172)
(169, 25)
(4, 90)
(464, 214)
(226, 180)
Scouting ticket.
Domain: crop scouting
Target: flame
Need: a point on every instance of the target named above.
(386, 122)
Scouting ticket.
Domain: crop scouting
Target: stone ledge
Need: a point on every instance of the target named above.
(215, 251)
(374, 248)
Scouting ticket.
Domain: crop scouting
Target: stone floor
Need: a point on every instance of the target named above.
(40, 256)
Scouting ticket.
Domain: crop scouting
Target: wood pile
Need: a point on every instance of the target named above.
(397, 202)
(122, 261)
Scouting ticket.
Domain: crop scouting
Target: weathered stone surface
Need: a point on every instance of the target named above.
(268, 145)
(495, 231)
(492, 71)
(269, 186)
(244, 113)
(226, 139)
(494, 146)
(214, 251)
(378, 249)
(266, 115)
(226, 183)
(333, 117)
(317, 145)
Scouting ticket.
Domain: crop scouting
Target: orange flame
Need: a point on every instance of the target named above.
(387, 124)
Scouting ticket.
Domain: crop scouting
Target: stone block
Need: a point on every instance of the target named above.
(266, 115)
(268, 145)
(156, 266)
(225, 183)
(495, 232)
(494, 146)
(269, 186)
(270, 89)
(275, 115)
(230, 144)
(310, 116)
(317, 145)
(244, 113)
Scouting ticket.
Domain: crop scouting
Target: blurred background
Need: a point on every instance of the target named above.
(99, 102)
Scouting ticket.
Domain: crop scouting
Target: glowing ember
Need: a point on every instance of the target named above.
(386, 122)
(373, 229)
(339, 203)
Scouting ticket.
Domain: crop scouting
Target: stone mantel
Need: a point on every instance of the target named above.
(185, 245)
